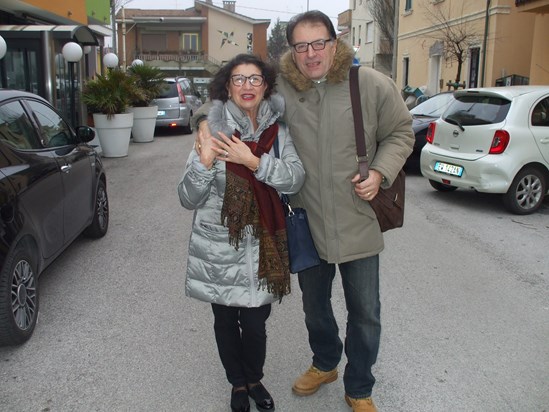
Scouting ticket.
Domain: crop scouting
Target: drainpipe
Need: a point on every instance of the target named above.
(113, 24)
(396, 6)
(486, 21)
(123, 39)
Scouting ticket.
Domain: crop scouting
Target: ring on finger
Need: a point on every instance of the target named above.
(226, 154)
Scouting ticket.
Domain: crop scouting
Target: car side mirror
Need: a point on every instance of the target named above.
(85, 134)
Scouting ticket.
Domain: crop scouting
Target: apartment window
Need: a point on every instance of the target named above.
(359, 35)
(370, 32)
(408, 5)
(154, 42)
(190, 41)
(474, 56)
(405, 71)
(354, 37)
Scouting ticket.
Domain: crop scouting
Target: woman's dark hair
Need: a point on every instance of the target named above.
(314, 17)
(220, 82)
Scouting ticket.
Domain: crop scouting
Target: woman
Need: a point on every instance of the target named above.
(238, 257)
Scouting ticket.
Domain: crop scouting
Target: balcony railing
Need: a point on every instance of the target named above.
(180, 57)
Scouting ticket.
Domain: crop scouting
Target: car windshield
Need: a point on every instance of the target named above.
(474, 110)
(170, 90)
(434, 106)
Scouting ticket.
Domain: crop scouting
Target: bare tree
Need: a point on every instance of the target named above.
(455, 34)
(383, 12)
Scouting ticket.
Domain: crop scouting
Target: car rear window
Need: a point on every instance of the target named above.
(477, 110)
(170, 90)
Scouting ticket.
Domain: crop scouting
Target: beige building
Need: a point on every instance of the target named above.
(539, 65)
(497, 44)
(191, 42)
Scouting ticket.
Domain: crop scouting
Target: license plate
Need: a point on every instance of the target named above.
(448, 169)
(161, 113)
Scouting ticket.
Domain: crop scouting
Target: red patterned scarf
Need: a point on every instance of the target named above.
(248, 201)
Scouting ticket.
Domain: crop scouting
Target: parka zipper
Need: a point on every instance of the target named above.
(250, 268)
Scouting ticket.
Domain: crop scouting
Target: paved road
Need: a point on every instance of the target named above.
(464, 310)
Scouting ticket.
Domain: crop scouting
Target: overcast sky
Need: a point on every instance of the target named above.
(257, 9)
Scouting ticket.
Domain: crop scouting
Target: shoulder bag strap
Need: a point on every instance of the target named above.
(362, 155)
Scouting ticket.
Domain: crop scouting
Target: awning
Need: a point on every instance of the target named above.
(79, 34)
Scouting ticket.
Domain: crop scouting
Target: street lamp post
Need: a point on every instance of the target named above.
(72, 52)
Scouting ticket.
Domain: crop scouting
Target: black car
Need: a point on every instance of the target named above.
(52, 188)
(422, 115)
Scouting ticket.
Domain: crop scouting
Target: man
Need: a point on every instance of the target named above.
(314, 81)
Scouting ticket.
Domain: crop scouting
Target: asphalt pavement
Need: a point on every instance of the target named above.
(464, 294)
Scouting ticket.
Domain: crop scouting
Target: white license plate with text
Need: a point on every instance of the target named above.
(448, 169)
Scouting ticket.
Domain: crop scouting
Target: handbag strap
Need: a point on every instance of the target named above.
(362, 154)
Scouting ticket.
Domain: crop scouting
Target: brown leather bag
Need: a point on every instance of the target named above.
(388, 203)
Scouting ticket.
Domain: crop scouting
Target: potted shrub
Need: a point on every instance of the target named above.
(150, 81)
(107, 98)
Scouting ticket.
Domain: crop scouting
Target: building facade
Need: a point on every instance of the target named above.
(448, 44)
(35, 32)
(193, 43)
(539, 65)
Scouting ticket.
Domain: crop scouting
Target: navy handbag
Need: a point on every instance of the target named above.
(301, 248)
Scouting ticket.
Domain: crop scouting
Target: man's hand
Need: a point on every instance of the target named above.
(367, 189)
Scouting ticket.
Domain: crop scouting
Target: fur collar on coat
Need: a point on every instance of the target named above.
(226, 117)
(338, 72)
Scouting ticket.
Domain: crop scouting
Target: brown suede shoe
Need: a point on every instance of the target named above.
(361, 405)
(310, 381)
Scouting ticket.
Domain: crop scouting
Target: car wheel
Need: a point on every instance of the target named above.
(189, 128)
(100, 223)
(526, 193)
(18, 297)
(441, 187)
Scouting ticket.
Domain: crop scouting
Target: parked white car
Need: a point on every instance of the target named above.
(493, 140)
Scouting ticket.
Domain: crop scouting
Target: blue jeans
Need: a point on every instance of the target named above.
(360, 279)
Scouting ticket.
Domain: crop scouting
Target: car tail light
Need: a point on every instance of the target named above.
(499, 142)
(431, 133)
(180, 93)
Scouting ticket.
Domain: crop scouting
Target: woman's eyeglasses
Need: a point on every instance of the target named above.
(255, 79)
(316, 45)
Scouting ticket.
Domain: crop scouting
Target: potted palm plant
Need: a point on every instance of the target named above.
(107, 98)
(150, 81)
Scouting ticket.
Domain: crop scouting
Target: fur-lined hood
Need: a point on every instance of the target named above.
(338, 72)
(226, 117)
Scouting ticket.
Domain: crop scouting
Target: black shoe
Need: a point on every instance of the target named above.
(239, 400)
(263, 399)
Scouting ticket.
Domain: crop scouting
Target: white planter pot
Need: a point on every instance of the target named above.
(114, 133)
(144, 121)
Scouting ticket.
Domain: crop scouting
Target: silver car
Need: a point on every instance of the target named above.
(177, 103)
(493, 140)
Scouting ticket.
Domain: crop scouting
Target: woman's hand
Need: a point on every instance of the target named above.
(234, 150)
(204, 146)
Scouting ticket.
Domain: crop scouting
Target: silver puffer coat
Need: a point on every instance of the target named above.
(216, 272)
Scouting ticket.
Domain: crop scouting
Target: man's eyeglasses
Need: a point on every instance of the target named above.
(316, 45)
(255, 79)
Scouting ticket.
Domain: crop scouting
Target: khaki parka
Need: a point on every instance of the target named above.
(320, 120)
